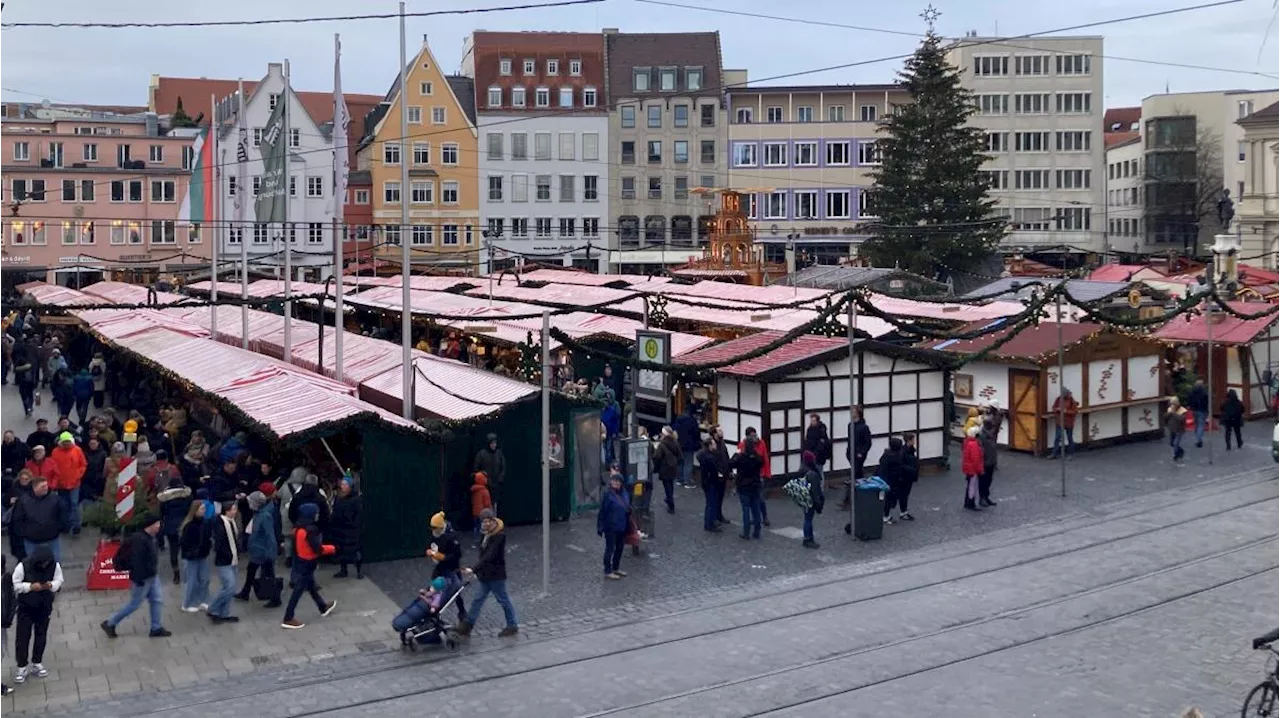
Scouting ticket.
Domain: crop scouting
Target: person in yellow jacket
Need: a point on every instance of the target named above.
(973, 419)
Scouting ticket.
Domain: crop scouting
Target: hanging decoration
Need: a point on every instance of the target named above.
(658, 311)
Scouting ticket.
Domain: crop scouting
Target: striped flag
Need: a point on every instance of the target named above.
(197, 206)
(242, 158)
(341, 120)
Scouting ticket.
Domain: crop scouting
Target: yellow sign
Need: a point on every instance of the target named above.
(651, 348)
(1135, 298)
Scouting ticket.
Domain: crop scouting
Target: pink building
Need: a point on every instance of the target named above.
(94, 193)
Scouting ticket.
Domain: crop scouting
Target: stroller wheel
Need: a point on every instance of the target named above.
(451, 643)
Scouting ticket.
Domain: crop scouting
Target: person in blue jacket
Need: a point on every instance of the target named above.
(82, 390)
(612, 523)
(611, 418)
(264, 546)
(688, 432)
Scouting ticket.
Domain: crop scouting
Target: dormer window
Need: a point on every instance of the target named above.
(553, 67)
(667, 79)
(575, 67)
(504, 67)
(530, 68)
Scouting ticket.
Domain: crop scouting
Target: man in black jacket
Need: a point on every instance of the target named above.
(818, 440)
(491, 571)
(38, 518)
(859, 447)
(13, 454)
(748, 463)
(42, 436)
(141, 556)
(1198, 403)
(446, 553)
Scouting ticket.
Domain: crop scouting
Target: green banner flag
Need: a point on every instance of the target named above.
(269, 205)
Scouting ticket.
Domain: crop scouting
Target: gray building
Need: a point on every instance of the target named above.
(666, 136)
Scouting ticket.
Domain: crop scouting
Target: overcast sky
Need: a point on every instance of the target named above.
(113, 66)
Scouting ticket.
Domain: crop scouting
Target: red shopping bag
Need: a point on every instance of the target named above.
(1191, 421)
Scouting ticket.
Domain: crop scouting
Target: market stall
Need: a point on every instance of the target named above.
(1245, 353)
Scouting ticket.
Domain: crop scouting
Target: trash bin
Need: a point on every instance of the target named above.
(867, 515)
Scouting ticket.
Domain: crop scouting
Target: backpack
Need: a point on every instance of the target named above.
(8, 599)
(124, 556)
(96, 371)
(798, 490)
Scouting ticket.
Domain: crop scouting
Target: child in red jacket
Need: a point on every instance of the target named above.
(480, 499)
(972, 466)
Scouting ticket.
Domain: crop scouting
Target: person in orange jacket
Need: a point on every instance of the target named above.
(766, 472)
(972, 465)
(481, 499)
(42, 465)
(72, 465)
(308, 547)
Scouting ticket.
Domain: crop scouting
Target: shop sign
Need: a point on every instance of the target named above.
(830, 230)
(135, 258)
(9, 259)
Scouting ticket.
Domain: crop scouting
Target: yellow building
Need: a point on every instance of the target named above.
(441, 152)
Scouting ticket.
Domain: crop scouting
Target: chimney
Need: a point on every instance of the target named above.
(153, 125)
(275, 68)
(609, 31)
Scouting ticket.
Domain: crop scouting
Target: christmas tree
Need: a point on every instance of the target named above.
(930, 199)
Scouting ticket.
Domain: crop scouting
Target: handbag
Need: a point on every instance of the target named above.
(633, 533)
(268, 588)
(1191, 421)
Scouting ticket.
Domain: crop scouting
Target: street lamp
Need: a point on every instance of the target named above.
(490, 235)
(320, 324)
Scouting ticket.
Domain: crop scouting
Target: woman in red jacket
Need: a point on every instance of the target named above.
(971, 465)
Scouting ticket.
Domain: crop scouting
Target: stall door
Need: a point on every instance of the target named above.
(1024, 409)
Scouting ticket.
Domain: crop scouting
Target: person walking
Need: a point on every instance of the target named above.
(93, 483)
(72, 465)
(140, 556)
(195, 541)
(445, 553)
(747, 465)
(36, 580)
(612, 522)
(308, 547)
(722, 467)
(175, 502)
(20, 487)
(264, 546)
(493, 463)
(1175, 422)
(1198, 403)
(1231, 414)
(63, 391)
(817, 497)
(226, 555)
(345, 527)
(971, 464)
(687, 432)
(667, 460)
(890, 471)
(1068, 407)
(988, 437)
(8, 607)
(712, 485)
(13, 453)
(26, 373)
(39, 517)
(98, 372)
(82, 390)
(42, 436)
(910, 474)
(490, 570)
(857, 450)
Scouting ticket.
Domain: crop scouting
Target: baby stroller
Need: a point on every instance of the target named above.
(421, 624)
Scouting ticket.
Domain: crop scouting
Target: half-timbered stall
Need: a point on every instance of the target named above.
(1244, 353)
(900, 389)
(1115, 377)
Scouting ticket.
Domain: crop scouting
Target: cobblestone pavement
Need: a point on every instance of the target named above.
(1015, 622)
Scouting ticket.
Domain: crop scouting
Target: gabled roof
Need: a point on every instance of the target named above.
(194, 93)
(799, 354)
(627, 51)
(461, 88)
(1084, 290)
(1121, 119)
(1227, 328)
(1266, 115)
(1033, 344)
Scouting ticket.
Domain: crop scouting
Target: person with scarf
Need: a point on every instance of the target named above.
(226, 555)
(35, 581)
(308, 548)
(195, 542)
(345, 526)
(264, 546)
(490, 570)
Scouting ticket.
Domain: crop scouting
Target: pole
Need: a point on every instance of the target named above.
(339, 195)
(216, 176)
(1208, 323)
(489, 250)
(853, 399)
(634, 428)
(546, 452)
(241, 201)
(1062, 383)
(406, 299)
(288, 228)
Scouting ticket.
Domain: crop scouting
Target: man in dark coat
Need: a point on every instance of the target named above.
(345, 526)
(310, 493)
(990, 453)
(667, 460)
(818, 440)
(688, 433)
(490, 571)
(890, 471)
(26, 372)
(39, 518)
(490, 460)
(859, 447)
(13, 453)
(42, 437)
(1198, 403)
(141, 556)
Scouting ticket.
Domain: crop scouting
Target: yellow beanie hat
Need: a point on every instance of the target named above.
(437, 521)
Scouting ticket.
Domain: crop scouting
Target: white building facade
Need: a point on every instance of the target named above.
(1124, 196)
(1040, 100)
(309, 231)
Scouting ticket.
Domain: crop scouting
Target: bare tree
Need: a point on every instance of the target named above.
(1183, 181)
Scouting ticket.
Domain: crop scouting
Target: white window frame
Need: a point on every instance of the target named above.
(504, 66)
(775, 154)
(832, 144)
(801, 197)
(439, 116)
(529, 67)
(426, 189)
(590, 188)
(422, 153)
(864, 201)
(315, 232)
(589, 97)
(449, 154)
(834, 194)
(389, 188)
(566, 97)
(743, 116)
(22, 151)
(775, 114)
(495, 188)
(362, 196)
(805, 148)
(775, 205)
(450, 188)
(448, 235)
(391, 153)
(495, 96)
(868, 152)
(422, 235)
(315, 186)
(575, 68)
(517, 97)
(804, 113)
(745, 154)
(542, 97)
(553, 67)
(89, 153)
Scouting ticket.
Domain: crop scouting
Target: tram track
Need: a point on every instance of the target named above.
(412, 664)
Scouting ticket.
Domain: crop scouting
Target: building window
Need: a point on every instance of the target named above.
(519, 146)
(449, 192)
(707, 155)
(517, 97)
(775, 205)
(640, 79)
(519, 227)
(655, 188)
(1073, 141)
(744, 115)
(753, 209)
(519, 188)
(693, 78)
(542, 188)
(362, 196)
(774, 115)
(680, 118)
(806, 202)
(655, 116)
(68, 190)
(575, 68)
(422, 153)
(566, 97)
(449, 153)
(495, 227)
(494, 142)
(1072, 64)
(667, 79)
(806, 154)
(680, 152)
(591, 146)
(542, 97)
(163, 191)
(542, 227)
(1073, 218)
(504, 66)
(1244, 108)
(295, 137)
(708, 115)
(590, 188)
(390, 153)
(627, 188)
(1076, 103)
(122, 155)
(256, 181)
(997, 142)
(628, 152)
(567, 142)
(628, 116)
(1031, 179)
(415, 115)
(22, 151)
(867, 113)
(1036, 103)
(438, 116)
(997, 104)
(315, 232)
(553, 67)
(1031, 142)
(449, 235)
(588, 97)
(837, 153)
(655, 152)
(567, 226)
(775, 154)
(1031, 65)
(391, 192)
(744, 155)
(421, 192)
(838, 204)
(865, 210)
(420, 235)
(529, 67)
(835, 113)
(87, 190)
(37, 190)
(495, 97)
(990, 66)
(1031, 219)
(1241, 153)
(542, 146)
(868, 153)
(591, 227)
(164, 231)
(995, 179)
(391, 234)
(1073, 179)
(568, 193)
(315, 186)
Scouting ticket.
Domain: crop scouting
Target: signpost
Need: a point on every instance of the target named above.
(653, 346)
(102, 574)
(635, 454)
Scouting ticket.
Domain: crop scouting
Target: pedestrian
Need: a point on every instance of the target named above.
(63, 391)
(42, 436)
(345, 527)
(307, 550)
(890, 471)
(82, 390)
(195, 540)
(988, 436)
(174, 499)
(722, 467)
(712, 485)
(20, 487)
(1175, 422)
(668, 459)
(26, 373)
(98, 372)
(910, 473)
(818, 440)
(688, 433)
(36, 581)
(972, 466)
(481, 501)
(311, 493)
(817, 497)
(94, 482)
(857, 450)
(39, 517)
(1198, 403)
(490, 570)
(8, 608)
(226, 555)
(56, 361)
(611, 419)
(143, 455)
(612, 523)
(194, 457)
(445, 553)
(766, 468)
(13, 453)
(747, 465)
(264, 544)
(141, 558)
(1231, 414)
(72, 465)
(493, 463)
(1067, 406)
(157, 477)
(972, 419)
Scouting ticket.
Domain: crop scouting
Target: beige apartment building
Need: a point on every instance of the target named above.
(1257, 210)
(1040, 100)
(806, 152)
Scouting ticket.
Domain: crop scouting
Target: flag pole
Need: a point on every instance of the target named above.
(242, 159)
(215, 173)
(406, 309)
(340, 166)
(287, 139)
